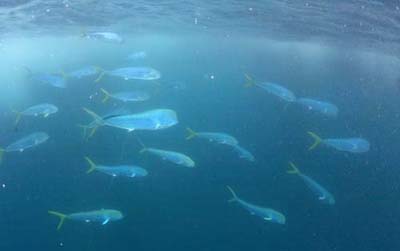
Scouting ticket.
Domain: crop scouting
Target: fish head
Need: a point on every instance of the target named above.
(281, 219)
(117, 215)
(112, 214)
(153, 75)
(164, 118)
(330, 200)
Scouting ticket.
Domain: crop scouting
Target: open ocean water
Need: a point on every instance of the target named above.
(198, 58)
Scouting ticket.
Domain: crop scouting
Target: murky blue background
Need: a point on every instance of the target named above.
(346, 53)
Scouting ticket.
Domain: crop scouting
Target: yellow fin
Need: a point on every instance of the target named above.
(84, 128)
(293, 169)
(93, 131)
(191, 133)
(2, 151)
(63, 74)
(235, 197)
(100, 77)
(317, 140)
(61, 216)
(93, 114)
(83, 32)
(106, 95)
(92, 165)
(249, 80)
(18, 117)
(98, 69)
(141, 144)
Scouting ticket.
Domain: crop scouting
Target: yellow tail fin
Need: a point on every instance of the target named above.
(141, 144)
(191, 133)
(63, 74)
(317, 140)
(293, 169)
(107, 95)
(92, 132)
(84, 128)
(235, 197)
(61, 216)
(96, 117)
(91, 164)
(249, 81)
(82, 32)
(18, 117)
(98, 121)
(1, 155)
(100, 77)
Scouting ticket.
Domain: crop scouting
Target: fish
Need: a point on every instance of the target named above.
(323, 195)
(150, 120)
(174, 157)
(135, 96)
(83, 72)
(352, 145)
(128, 73)
(220, 138)
(24, 143)
(104, 36)
(267, 214)
(272, 88)
(44, 110)
(322, 107)
(55, 80)
(121, 170)
(137, 55)
(93, 125)
(102, 216)
(244, 153)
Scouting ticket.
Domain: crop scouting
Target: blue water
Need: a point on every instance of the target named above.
(344, 53)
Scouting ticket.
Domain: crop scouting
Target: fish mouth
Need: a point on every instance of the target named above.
(154, 75)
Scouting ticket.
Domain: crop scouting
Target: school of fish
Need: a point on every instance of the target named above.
(160, 119)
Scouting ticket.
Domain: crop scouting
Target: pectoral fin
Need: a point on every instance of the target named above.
(267, 218)
(46, 115)
(105, 221)
(133, 175)
(322, 197)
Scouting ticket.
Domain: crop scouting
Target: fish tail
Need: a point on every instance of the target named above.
(234, 196)
(84, 128)
(100, 77)
(93, 131)
(27, 69)
(63, 74)
(2, 151)
(106, 95)
(18, 116)
(96, 117)
(91, 164)
(292, 168)
(191, 133)
(317, 140)
(61, 216)
(249, 80)
(83, 33)
(144, 149)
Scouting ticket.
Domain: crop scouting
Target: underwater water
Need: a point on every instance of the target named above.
(238, 73)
